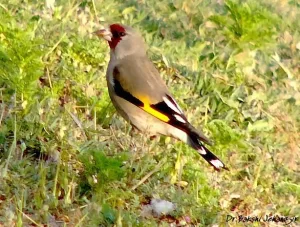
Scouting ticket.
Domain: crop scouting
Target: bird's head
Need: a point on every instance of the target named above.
(123, 40)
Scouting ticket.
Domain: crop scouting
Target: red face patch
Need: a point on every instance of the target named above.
(117, 31)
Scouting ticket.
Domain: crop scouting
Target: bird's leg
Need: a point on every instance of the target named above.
(133, 132)
(153, 137)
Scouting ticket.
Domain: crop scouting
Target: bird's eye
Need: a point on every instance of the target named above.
(117, 35)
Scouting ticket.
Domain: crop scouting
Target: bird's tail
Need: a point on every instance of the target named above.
(194, 140)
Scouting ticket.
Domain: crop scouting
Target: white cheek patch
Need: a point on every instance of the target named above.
(217, 163)
(111, 81)
(171, 105)
(178, 118)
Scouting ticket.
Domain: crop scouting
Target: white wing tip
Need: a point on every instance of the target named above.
(179, 118)
(202, 151)
(217, 163)
(174, 107)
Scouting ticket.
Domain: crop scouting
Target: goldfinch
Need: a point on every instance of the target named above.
(141, 96)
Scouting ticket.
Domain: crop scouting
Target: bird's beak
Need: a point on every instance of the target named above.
(103, 33)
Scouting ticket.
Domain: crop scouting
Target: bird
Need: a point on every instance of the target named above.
(141, 96)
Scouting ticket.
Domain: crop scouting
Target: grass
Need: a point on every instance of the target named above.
(67, 159)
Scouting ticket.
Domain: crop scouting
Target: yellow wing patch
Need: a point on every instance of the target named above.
(155, 113)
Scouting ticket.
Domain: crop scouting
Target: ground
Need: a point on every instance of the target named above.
(66, 157)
